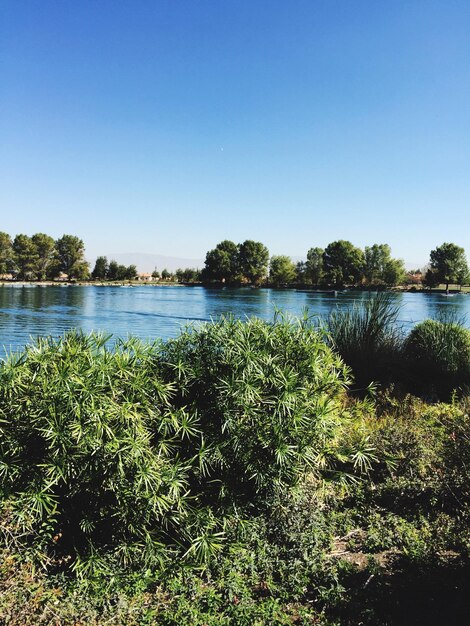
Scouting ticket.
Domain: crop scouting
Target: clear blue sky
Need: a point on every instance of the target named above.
(165, 126)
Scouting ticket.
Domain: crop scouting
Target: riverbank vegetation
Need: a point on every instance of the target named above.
(40, 257)
(234, 476)
(339, 265)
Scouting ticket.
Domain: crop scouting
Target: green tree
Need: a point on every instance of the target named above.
(81, 271)
(221, 263)
(131, 272)
(70, 253)
(116, 271)
(431, 278)
(282, 270)
(394, 273)
(6, 253)
(380, 268)
(100, 270)
(314, 265)
(190, 275)
(166, 274)
(450, 264)
(343, 263)
(44, 254)
(253, 261)
(25, 256)
(301, 272)
(113, 270)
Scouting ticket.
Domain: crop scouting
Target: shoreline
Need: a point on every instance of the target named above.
(65, 283)
(304, 289)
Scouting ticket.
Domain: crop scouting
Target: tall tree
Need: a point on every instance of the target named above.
(394, 272)
(301, 272)
(100, 270)
(131, 272)
(282, 270)
(343, 263)
(45, 250)
(6, 253)
(450, 264)
(314, 265)
(113, 270)
(25, 256)
(431, 278)
(253, 261)
(221, 263)
(380, 268)
(70, 253)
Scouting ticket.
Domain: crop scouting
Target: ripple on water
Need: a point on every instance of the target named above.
(160, 312)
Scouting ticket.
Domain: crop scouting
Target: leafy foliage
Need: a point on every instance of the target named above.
(267, 396)
(121, 454)
(253, 257)
(222, 263)
(314, 265)
(380, 268)
(282, 270)
(6, 253)
(449, 263)
(343, 263)
(439, 355)
(83, 448)
(70, 258)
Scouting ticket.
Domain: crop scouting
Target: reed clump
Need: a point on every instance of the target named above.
(369, 339)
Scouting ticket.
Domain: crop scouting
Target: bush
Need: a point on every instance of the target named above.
(89, 451)
(267, 396)
(130, 454)
(438, 353)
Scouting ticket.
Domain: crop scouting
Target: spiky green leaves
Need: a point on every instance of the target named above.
(129, 449)
(267, 397)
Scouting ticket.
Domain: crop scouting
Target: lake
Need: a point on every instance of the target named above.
(150, 311)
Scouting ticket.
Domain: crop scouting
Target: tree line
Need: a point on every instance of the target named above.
(41, 257)
(339, 264)
(112, 270)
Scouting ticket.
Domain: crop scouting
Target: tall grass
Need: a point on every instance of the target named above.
(368, 338)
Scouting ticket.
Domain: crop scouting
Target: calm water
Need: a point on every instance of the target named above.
(150, 312)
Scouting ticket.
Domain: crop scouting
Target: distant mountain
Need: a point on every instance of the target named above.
(148, 262)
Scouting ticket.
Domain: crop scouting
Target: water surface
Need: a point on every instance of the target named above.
(151, 312)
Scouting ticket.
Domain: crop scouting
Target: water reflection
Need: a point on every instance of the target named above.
(152, 312)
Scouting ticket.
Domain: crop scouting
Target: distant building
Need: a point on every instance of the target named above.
(7, 276)
(145, 277)
(414, 278)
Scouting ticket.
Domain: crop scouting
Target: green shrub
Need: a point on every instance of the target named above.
(89, 450)
(268, 399)
(368, 338)
(438, 354)
(129, 454)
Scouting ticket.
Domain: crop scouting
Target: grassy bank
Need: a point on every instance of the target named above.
(226, 477)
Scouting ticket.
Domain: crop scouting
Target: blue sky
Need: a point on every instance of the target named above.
(167, 126)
